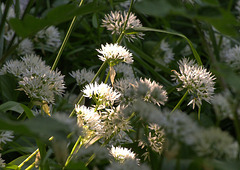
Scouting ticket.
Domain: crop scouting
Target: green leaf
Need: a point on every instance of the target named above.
(13, 106)
(142, 29)
(27, 111)
(30, 25)
(40, 127)
(157, 8)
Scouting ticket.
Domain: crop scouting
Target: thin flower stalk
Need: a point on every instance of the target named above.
(65, 40)
(180, 102)
(28, 158)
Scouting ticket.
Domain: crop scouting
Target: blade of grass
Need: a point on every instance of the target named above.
(65, 40)
(142, 29)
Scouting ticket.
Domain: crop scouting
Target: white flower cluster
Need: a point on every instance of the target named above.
(6, 136)
(197, 80)
(121, 154)
(35, 78)
(114, 54)
(83, 76)
(102, 93)
(50, 36)
(147, 90)
(232, 57)
(102, 123)
(214, 143)
(115, 21)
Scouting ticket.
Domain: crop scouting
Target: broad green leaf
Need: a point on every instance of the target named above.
(142, 29)
(30, 25)
(40, 127)
(157, 8)
(13, 106)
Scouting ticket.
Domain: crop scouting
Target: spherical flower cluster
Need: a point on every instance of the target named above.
(35, 78)
(197, 80)
(232, 57)
(83, 76)
(214, 143)
(102, 93)
(50, 36)
(156, 138)
(6, 136)
(102, 123)
(121, 154)
(25, 47)
(149, 91)
(114, 53)
(115, 22)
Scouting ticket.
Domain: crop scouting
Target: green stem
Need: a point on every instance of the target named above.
(199, 112)
(31, 166)
(125, 24)
(94, 78)
(73, 150)
(28, 158)
(106, 79)
(65, 40)
(4, 16)
(180, 102)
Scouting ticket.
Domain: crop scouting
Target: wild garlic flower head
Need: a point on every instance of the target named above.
(121, 154)
(35, 78)
(102, 93)
(83, 76)
(89, 119)
(6, 136)
(123, 85)
(197, 80)
(156, 138)
(25, 47)
(115, 22)
(149, 91)
(114, 53)
(50, 36)
(214, 143)
(53, 38)
(232, 58)
(2, 162)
